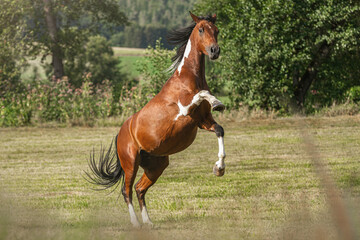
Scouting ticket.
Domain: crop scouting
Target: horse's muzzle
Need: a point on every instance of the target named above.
(213, 51)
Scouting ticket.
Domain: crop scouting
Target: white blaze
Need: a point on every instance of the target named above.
(186, 55)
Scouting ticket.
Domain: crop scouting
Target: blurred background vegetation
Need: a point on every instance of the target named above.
(75, 62)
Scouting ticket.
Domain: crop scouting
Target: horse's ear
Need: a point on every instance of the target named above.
(195, 18)
(214, 18)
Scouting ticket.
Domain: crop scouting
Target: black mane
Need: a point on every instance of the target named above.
(180, 38)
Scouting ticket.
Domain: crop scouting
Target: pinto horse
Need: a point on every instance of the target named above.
(168, 123)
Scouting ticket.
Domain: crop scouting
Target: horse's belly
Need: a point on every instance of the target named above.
(177, 140)
(165, 136)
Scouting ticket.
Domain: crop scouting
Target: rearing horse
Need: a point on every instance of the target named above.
(168, 123)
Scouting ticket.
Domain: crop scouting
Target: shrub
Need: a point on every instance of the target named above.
(353, 94)
(58, 102)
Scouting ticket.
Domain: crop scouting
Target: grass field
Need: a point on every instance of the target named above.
(130, 65)
(270, 188)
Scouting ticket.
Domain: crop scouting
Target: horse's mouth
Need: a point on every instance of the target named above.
(214, 57)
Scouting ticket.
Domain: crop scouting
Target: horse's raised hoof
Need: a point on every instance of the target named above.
(218, 106)
(218, 172)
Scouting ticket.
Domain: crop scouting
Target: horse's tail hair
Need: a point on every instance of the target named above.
(107, 171)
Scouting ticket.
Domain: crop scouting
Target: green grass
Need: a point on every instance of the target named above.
(131, 59)
(270, 189)
(130, 64)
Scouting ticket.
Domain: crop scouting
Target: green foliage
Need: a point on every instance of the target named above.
(9, 69)
(354, 94)
(24, 26)
(151, 20)
(273, 51)
(96, 60)
(139, 36)
(154, 69)
(58, 102)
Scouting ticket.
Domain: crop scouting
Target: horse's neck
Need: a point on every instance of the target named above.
(195, 64)
(202, 81)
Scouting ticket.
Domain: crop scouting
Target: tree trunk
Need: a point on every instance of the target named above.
(57, 55)
(303, 83)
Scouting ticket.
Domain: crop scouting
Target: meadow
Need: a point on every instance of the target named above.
(130, 59)
(270, 189)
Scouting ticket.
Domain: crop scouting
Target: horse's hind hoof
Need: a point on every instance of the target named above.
(218, 106)
(218, 172)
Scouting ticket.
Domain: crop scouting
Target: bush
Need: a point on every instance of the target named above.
(58, 102)
(353, 94)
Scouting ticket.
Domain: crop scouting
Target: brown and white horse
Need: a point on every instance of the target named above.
(168, 123)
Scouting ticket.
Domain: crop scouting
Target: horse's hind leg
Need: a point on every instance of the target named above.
(153, 168)
(129, 159)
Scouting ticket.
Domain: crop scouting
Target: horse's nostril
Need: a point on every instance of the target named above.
(212, 49)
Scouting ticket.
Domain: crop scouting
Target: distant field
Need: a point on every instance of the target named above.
(130, 65)
(270, 189)
(122, 51)
(131, 59)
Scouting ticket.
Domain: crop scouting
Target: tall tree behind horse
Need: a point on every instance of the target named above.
(168, 123)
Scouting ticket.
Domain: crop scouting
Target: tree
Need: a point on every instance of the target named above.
(97, 60)
(273, 52)
(51, 26)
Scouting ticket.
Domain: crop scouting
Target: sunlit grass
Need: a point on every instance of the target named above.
(270, 189)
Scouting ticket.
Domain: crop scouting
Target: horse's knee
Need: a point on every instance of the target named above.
(140, 193)
(219, 131)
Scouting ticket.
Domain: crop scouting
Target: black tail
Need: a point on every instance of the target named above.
(107, 172)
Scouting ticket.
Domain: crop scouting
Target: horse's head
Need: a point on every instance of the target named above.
(205, 33)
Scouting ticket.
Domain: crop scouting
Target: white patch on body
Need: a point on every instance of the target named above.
(186, 55)
(221, 164)
(145, 216)
(133, 217)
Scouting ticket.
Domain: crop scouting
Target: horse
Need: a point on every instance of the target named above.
(168, 123)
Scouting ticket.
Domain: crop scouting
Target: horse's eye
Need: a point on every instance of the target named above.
(201, 30)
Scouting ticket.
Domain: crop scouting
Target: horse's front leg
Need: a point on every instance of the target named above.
(197, 99)
(210, 125)
(215, 103)
(219, 167)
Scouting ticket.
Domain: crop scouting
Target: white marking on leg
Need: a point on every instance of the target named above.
(145, 216)
(197, 99)
(133, 217)
(221, 164)
(186, 55)
(184, 110)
